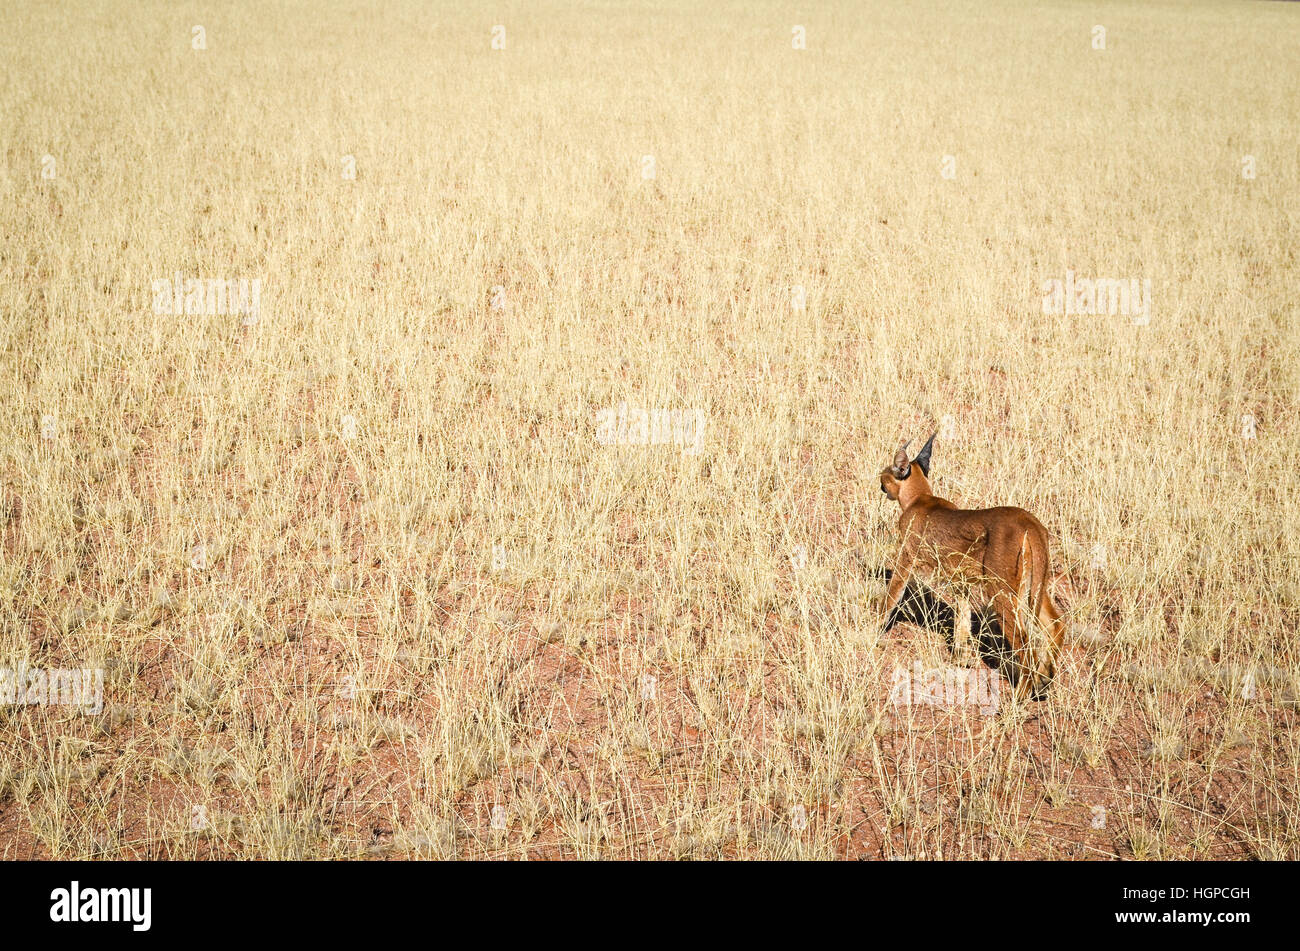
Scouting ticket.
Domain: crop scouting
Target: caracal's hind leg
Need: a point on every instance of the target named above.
(1016, 667)
(1053, 629)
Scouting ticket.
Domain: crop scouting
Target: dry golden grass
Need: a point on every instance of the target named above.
(279, 539)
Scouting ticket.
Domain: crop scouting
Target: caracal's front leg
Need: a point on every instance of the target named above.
(897, 585)
(963, 646)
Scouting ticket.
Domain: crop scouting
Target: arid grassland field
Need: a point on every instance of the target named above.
(456, 433)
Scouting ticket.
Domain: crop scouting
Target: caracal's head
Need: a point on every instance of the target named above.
(904, 479)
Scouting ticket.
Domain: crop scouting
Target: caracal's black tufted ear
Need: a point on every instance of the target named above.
(923, 457)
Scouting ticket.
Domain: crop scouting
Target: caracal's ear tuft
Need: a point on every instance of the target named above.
(901, 467)
(923, 457)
